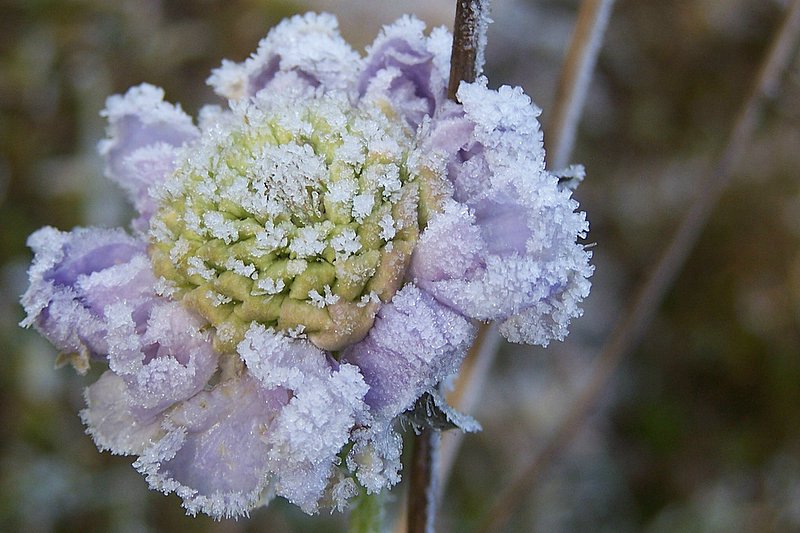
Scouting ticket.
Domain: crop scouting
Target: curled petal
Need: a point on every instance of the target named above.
(415, 343)
(75, 276)
(303, 51)
(407, 69)
(327, 400)
(214, 454)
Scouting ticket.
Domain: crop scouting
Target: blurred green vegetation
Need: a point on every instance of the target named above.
(699, 431)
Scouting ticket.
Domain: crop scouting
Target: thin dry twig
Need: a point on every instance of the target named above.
(576, 75)
(633, 324)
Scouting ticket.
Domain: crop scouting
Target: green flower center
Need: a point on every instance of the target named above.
(302, 217)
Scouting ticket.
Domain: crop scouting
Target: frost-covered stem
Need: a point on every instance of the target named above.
(633, 323)
(576, 75)
(466, 63)
(367, 514)
(469, 41)
(422, 493)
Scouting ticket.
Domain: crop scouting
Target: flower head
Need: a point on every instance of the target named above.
(306, 263)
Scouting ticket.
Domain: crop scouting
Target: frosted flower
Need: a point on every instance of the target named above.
(306, 263)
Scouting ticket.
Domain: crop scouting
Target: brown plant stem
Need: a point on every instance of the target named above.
(633, 323)
(468, 41)
(421, 495)
(469, 38)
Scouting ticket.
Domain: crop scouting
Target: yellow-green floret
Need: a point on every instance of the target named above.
(300, 217)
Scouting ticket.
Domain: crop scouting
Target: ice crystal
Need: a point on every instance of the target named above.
(306, 264)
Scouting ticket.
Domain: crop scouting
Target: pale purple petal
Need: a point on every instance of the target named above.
(327, 401)
(303, 51)
(112, 419)
(144, 137)
(415, 343)
(215, 453)
(514, 240)
(75, 276)
(451, 247)
(403, 67)
(167, 360)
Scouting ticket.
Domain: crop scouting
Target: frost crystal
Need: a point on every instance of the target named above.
(306, 264)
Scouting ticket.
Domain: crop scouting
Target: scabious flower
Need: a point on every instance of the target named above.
(306, 263)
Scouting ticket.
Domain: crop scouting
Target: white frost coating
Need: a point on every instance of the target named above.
(238, 267)
(362, 206)
(523, 264)
(219, 227)
(375, 456)
(305, 49)
(269, 286)
(198, 266)
(309, 241)
(310, 430)
(323, 300)
(387, 227)
(346, 243)
(481, 7)
(110, 420)
(146, 103)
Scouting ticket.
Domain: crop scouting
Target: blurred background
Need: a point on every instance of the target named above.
(699, 430)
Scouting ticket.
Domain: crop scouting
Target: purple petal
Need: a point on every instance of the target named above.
(454, 232)
(415, 343)
(168, 360)
(310, 431)
(514, 240)
(300, 52)
(215, 455)
(406, 68)
(112, 420)
(144, 134)
(75, 276)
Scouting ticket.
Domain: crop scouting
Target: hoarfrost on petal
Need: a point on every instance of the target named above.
(312, 428)
(517, 226)
(404, 68)
(165, 358)
(414, 344)
(74, 277)
(214, 454)
(302, 51)
(112, 421)
(144, 137)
